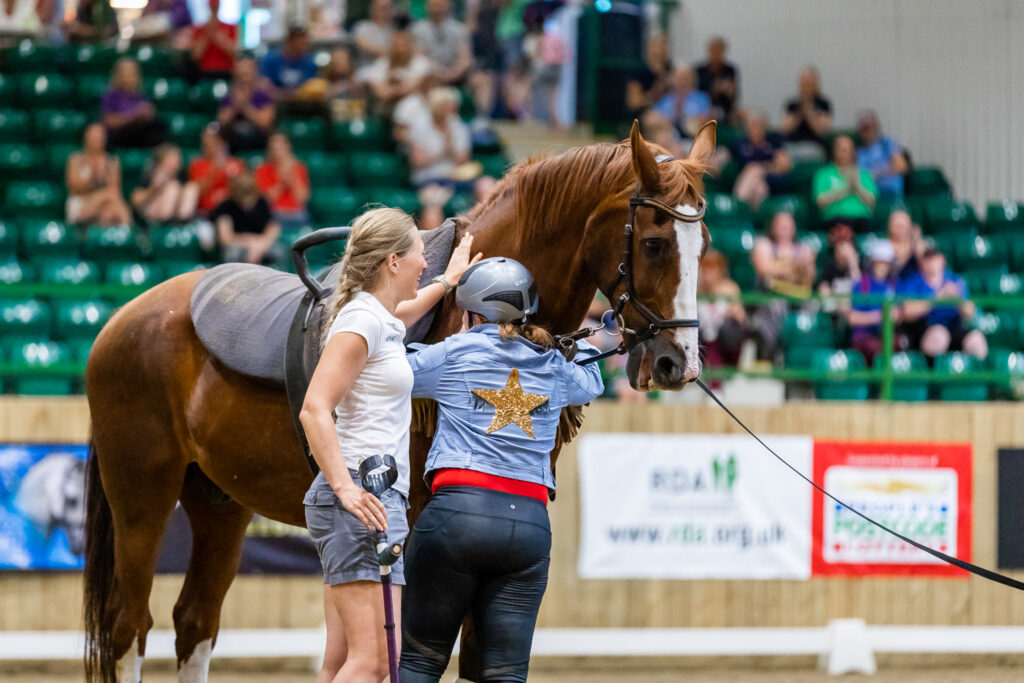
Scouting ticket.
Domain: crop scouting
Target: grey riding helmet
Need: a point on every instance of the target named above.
(498, 288)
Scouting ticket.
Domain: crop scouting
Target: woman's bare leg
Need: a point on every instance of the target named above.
(360, 608)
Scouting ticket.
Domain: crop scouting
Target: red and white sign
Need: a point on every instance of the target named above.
(921, 490)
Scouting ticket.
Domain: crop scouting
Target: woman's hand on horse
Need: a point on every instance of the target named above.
(365, 506)
(460, 260)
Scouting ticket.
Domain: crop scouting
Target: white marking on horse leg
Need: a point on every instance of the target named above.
(690, 239)
(196, 669)
(129, 667)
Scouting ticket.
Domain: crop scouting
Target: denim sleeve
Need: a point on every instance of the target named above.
(583, 381)
(427, 365)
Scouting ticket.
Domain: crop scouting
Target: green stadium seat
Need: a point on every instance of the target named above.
(154, 60)
(14, 125)
(326, 170)
(133, 163)
(56, 160)
(911, 390)
(68, 272)
(980, 280)
(104, 245)
(21, 162)
(735, 243)
(175, 244)
(30, 56)
(1010, 364)
(725, 206)
(79, 350)
(801, 177)
(1007, 284)
(837, 386)
(25, 318)
(186, 129)
(304, 133)
(47, 239)
(168, 94)
(375, 169)
(794, 204)
(176, 268)
(132, 274)
(742, 273)
(494, 165)
(8, 239)
(206, 95)
(927, 180)
(29, 199)
(253, 158)
(723, 181)
(801, 357)
(33, 365)
(399, 198)
(959, 367)
(979, 252)
(1000, 217)
(80, 319)
(336, 207)
(15, 272)
(944, 215)
(45, 90)
(1016, 254)
(58, 125)
(817, 241)
(93, 60)
(90, 89)
(8, 89)
(808, 329)
(460, 203)
(1000, 329)
(362, 135)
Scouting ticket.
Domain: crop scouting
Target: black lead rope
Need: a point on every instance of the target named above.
(967, 566)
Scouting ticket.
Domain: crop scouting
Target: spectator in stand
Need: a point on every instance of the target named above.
(547, 51)
(284, 181)
(763, 163)
(881, 156)
(372, 37)
(659, 130)
(347, 96)
(445, 42)
(399, 74)
(723, 320)
(865, 317)
(935, 328)
(245, 228)
(719, 79)
(212, 171)
(166, 21)
(808, 116)
(291, 67)
(510, 31)
(129, 117)
(687, 108)
(652, 82)
(19, 19)
(782, 266)
(842, 269)
(246, 114)
(482, 22)
(93, 180)
(844, 192)
(161, 197)
(213, 46)
(438, 149)
(95, 21)
(412, 110)
(907, 243)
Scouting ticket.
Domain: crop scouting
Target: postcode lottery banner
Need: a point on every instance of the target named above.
(692, 506)
(921, 490)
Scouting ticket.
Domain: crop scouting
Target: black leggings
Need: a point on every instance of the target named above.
(474, 551)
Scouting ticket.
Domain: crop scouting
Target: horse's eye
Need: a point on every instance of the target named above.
(654, 247)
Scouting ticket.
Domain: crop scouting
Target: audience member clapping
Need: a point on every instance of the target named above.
(372, 36)
(399, 74)
(161, 197)
(782, 266)
(212, 171)
(842, 266)
(245, 228)
(719, 79)
(129, 117)
(93, 180)
(865, 317)
(246, 113)
(880, 155)
(648, 85)
(284, 181)
(346, 94)
(687, 108)
(290, 67)
(908, 246)
(445, 42)
(933, 327)
(213, 46)
(723, 320)
(808, 116)
(763, 161)
(844, 192)
(439, 152)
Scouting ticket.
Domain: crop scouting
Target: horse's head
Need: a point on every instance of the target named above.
(666, 251)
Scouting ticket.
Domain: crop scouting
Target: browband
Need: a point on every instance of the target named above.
(652, 203)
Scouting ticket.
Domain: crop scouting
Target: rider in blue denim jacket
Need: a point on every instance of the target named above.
(482, 544)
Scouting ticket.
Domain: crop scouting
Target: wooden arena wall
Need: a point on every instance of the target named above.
(30, 601)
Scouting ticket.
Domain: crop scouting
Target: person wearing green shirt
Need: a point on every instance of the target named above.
(844, 192)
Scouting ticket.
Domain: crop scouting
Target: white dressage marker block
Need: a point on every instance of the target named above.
(849, 649)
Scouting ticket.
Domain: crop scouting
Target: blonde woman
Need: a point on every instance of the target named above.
(364, 379)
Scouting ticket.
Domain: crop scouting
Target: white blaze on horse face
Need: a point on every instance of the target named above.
(690, 239)
(129, 667)
(196, 669)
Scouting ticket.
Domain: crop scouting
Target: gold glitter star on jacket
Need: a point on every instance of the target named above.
(511, 405)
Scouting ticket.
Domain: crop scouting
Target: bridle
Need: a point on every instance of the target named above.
(629, 297)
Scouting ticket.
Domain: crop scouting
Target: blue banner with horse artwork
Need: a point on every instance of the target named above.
(42, 506)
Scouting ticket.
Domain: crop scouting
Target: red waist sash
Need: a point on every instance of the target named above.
(459, 477)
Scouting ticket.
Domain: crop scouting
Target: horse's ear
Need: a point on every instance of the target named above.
(644, 165)
(703, 147)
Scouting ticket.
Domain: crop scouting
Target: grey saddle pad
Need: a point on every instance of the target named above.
(242, 312)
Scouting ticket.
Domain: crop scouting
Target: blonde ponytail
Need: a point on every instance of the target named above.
(376, 234)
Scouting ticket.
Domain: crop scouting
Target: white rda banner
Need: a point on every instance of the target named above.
(694, 506)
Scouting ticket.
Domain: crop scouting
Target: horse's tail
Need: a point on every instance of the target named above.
(99, 576)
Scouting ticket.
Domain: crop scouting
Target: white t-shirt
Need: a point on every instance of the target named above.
(380, 70)
(425, 135)
(374, 417)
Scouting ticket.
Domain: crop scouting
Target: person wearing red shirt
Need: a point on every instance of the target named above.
(213, 46)
(212, 171)
(284, 181)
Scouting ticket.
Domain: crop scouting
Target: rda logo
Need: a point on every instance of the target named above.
(719, 475)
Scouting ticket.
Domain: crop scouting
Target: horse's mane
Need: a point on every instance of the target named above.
(547, 189)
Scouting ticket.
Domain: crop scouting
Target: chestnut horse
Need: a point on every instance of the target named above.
(162, 406)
